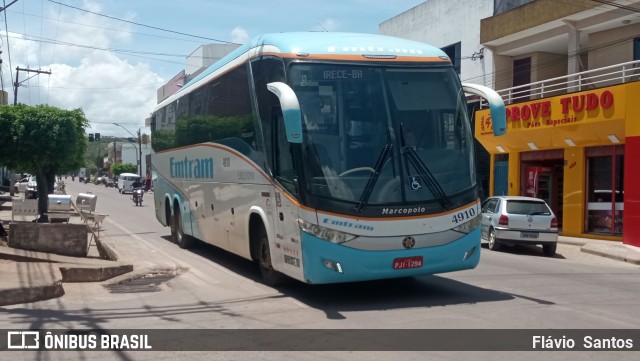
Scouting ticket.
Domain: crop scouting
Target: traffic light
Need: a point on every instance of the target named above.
(91, 137)
(97, 137)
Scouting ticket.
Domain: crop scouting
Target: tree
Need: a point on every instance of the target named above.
(43, 140)
(119, 168)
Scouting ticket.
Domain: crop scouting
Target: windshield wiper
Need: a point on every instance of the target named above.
(425, 173)
(373, 178)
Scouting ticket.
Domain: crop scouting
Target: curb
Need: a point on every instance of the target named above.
(76, 273)
(613, 252)
(64, 268)
(30, 289)
(31, 294)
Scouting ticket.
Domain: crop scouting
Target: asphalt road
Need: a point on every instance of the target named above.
(208, 288)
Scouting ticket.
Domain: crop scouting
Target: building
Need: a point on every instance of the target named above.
(568, 71)
(454, 26)
(127, 152)
(196, 62)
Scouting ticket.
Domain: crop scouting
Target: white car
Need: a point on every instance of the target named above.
(28, 186)
(519, 220)
(21, 185)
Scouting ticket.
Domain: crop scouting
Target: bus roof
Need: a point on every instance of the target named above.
(331, 45)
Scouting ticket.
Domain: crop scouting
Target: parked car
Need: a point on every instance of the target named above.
(31, 192)
(109, 182)
(514, 220)
(100, 180)
(21, 185)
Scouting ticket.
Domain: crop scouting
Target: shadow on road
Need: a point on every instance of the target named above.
(333, 299)
(523, 249)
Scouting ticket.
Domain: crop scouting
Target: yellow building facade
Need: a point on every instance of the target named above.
(576, 151)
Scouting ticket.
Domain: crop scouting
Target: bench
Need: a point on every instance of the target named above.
(24, 207)
(86, 206)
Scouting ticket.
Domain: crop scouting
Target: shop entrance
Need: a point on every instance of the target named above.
(542, 174)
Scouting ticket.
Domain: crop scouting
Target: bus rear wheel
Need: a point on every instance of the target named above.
(182, 240)
(270, 276)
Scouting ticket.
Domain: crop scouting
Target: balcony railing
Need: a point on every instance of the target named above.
(590, 79)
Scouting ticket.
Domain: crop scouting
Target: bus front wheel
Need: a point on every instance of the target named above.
(270, 276)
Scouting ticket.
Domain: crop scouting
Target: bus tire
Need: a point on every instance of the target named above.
(270, 277)
(182, 240)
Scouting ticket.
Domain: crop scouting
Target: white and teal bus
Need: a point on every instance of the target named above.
(325, 157)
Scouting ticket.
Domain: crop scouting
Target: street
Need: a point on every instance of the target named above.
(205, 287)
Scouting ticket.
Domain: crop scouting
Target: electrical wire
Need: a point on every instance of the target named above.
(6, 28)
(143, 25)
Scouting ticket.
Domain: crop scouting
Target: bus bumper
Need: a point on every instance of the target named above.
(326, 262)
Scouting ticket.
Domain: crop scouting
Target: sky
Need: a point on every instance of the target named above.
(109, 57)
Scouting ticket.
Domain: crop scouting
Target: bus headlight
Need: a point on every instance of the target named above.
(327, 234)
(470, 225)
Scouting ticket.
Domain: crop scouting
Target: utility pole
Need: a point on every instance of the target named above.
(17, 83)
(140, 150)
(139, 146)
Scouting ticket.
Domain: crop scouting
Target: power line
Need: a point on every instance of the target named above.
(6, 28)
(143, 25)
(107, 28)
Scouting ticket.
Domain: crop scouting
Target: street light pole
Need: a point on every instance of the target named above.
(139, 147)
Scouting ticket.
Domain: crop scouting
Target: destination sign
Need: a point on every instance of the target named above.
(343, 74)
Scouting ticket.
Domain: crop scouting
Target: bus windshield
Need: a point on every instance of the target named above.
(375, 135)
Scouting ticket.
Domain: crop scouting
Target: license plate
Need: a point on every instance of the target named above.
(528, 234)
(407, 262)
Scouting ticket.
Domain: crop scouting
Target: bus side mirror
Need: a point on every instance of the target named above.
(496, 106)
(290, 110)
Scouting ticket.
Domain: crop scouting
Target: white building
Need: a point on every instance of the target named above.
(130, 154)
(453, 26)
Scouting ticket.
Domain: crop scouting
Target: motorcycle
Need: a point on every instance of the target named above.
(137, 196)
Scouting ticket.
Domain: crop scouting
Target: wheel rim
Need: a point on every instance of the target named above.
(492, 239)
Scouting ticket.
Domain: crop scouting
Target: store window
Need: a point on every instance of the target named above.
(605, 190)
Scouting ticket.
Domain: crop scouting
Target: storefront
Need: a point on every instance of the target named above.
(577, 151)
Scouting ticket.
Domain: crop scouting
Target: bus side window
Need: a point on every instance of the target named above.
(284, 169)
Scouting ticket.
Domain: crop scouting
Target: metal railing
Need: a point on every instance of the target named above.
(590, 79)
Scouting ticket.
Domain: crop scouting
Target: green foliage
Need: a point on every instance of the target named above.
(42, 140)
(42, 137)
(201, 129)
(119, 168)
(163, 140)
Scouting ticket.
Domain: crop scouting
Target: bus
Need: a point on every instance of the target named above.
(324, 157)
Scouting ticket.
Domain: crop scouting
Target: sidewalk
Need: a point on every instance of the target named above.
(609, 249)
(29, 276)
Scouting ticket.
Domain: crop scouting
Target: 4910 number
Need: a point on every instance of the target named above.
(464, 215)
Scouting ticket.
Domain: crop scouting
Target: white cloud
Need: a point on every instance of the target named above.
(239, 35)
(103, 84)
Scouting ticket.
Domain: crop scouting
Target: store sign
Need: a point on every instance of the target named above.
(559, 110)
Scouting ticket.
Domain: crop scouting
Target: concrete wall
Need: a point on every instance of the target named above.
(207, 55)
(444, 22)
(59, 238)
(530, 15)
(612, 46)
